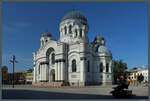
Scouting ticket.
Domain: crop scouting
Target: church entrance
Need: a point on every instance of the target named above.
(52, 75)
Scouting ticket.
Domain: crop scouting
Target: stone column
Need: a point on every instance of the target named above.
(40, 72)
(104, 67)
(67, 29)
(63, 31)
(47, 71)
(110, 65)
(83, 35)
(43, 72)
(59, 71)
(34, 75)
(56, 71)
(73, 35)
(62, 70)
(78, 31)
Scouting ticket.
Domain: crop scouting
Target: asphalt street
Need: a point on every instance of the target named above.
(92, 92)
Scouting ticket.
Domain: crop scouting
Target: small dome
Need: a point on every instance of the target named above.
(99, 37)
(74, 15)
(46, 34)
(103, 49)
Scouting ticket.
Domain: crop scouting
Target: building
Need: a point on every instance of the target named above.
(29, 76)
(18, 77)
(4, 70)
(144, 72)
(72, 60)
(133, 74)
(22, 77)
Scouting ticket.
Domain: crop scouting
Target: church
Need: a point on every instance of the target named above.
(72, 60)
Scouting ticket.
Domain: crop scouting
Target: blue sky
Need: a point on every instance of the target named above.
(124, 25)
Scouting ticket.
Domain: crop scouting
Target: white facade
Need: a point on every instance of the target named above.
(73, 58)
(144, 72)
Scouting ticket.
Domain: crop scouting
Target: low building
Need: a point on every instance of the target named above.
(144, 72)
(18, 77)
(133, 74)
(29, 76)
(4, 70)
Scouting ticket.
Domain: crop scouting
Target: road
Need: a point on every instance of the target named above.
(89, 92)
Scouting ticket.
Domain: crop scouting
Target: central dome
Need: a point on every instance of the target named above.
(74, 15)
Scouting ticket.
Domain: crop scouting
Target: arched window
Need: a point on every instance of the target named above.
(53, 58)
(76, 32)
(107, 67)
(88, 66)
(80, 32)
(74, 66)
(65, 28)
(101, 67)
(97, 48)
(39, 69)
(70, 29)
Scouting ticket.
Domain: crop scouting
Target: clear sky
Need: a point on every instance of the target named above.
(124, 25)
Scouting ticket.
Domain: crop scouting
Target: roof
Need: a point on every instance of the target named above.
(46, 34)
(99, 37)
(103, 49)
(74, 15)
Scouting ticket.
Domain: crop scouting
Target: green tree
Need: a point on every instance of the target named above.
(119, 70)
(134, 68)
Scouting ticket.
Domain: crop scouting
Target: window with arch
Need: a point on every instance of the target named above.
(76, 32)
(39, 69)
(88, 66)
(65, 28)
(80, 32)
(53, 58)
(101, 67)
(74, 68)
(70, 29)
(107, 67)
(97, 48)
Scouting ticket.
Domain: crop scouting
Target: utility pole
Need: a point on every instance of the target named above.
(13, 61)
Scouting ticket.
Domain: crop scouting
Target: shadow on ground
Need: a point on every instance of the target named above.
(33, 94)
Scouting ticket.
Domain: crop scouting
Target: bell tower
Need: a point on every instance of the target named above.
(45, 38)
(73, 27)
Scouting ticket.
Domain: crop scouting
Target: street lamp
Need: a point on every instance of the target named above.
(13, 61)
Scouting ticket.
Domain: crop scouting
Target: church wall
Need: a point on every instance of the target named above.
(90, 74)
(97, 74)
(74, 76)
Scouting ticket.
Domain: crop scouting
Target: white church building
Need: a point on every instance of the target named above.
(72, 60)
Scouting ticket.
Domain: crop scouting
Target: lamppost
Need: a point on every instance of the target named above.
(13, 61)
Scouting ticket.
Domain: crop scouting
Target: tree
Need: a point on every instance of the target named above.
(134, 68)
(119, 70)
